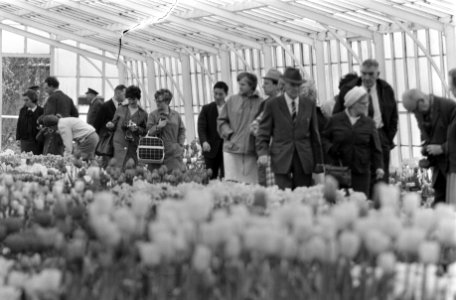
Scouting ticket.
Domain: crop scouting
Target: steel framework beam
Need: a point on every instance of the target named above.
(98, 30)
(190, 24)
(68, 35)
(127, 24)
(294, 35)
(320, 17)
(57, 44)
(402, 14)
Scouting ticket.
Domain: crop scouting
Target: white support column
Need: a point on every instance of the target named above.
(188, 99)
(151, 85)
(226, 69)
(380, 53)
(268, 63)
(122, 71)
(52, 63)
(1, 87)
(321, 76)
(450, 36)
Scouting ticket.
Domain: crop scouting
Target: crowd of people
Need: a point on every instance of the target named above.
(286, 139)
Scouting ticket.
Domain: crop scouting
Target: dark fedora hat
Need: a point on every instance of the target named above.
(91, 91)
(292, 75)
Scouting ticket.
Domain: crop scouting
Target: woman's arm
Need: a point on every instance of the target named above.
(223, 122)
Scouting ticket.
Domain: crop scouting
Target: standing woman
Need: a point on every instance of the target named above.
(451, 145)
(351, 139)
(129, 124)
(167, 124)
(233, 125)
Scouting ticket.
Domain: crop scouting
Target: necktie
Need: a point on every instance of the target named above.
(370, 111)
(293, 110)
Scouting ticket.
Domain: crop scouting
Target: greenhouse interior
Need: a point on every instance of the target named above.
(228, 149)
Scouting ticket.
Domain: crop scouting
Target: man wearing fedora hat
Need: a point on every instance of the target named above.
(271, 90)
(291, 122)
(95, 105)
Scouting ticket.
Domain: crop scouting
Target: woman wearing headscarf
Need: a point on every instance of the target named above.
(129, 124)
(167, 124)
(233, 125)
(350, 139)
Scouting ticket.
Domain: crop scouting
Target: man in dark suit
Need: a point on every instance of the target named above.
(435, 117)
(27, 127)
(95, 105)
(58, 102)
(382, 107)
(106, 113)
(210, 140)
(291, 122)
(108, 109)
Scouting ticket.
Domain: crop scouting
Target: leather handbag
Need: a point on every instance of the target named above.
(340, 173)
(105, 146)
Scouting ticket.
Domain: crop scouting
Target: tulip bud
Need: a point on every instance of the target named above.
(149, 254)
(386, 262)
(376, 242)
(349, 244)
(201, 258)
(411, 203)
(429, 252)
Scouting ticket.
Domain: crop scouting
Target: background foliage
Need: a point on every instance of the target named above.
(19, 73)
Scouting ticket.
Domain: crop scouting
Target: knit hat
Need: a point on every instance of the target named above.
(354, 95)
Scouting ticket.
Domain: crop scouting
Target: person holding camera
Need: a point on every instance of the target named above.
(129, 123)
(167, 124)
(436, 120)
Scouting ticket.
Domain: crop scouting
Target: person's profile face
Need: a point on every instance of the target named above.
(120, 95)
(269, 87)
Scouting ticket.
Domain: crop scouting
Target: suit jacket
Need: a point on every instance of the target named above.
(207, 129)
(104, 115)
(440, 131)
(303, 136)
(26, 124)
(388, 107)
(93, 111)
(60, 103)
(356, 146)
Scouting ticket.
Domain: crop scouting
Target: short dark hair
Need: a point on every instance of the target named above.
(31, 94)
(349, 77)
(133, 92)
(251, 79)
(221, 85)
(120, 87)
(52, 82)
(167, 95)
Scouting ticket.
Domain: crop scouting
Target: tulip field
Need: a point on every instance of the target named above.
(71, 231)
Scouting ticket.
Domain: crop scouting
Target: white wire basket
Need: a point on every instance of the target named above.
(151, 150)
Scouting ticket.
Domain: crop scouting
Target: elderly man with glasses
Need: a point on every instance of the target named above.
(436, 119)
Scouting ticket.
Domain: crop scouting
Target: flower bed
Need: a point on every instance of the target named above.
(82, 233)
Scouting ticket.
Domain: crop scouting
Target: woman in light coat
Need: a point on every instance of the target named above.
(233, 125)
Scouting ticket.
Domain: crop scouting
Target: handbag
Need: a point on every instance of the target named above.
(105, 146)
(340, 173)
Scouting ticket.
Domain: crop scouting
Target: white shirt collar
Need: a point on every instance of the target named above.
(33, 109)
(352, 119)
(289, 100)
